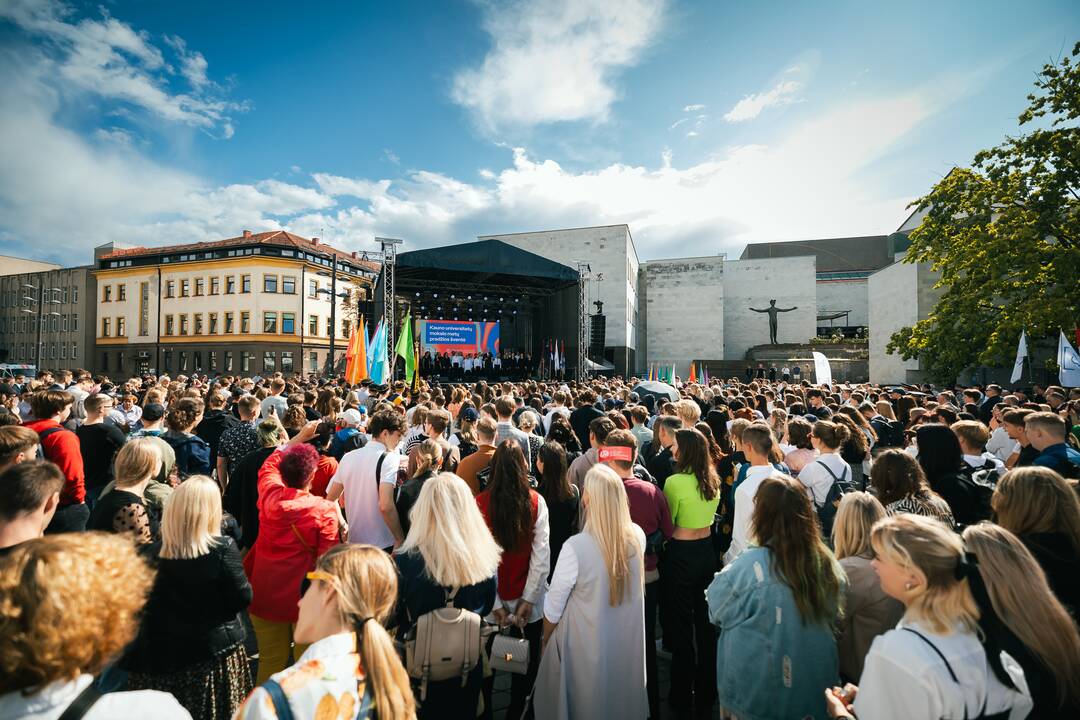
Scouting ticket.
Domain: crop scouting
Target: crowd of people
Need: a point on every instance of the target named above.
(296, 547)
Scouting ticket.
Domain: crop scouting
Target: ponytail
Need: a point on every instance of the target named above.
(388, 680)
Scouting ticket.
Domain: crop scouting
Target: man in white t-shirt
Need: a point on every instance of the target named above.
(757, 442)
(373, 519)
(559, 409)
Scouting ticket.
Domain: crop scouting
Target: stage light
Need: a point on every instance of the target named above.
(451, 296)
(470, 297)
(417, 294)
(515, 312)
(502, 299)
(434, 294)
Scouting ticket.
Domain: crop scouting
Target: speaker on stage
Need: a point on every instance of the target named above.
(597, 335)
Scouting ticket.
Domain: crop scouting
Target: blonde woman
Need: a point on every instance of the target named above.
(593, 663)
(1040, 634)
(689, 412)
(448, 546)
(933, 664)
(71, 605)
(1041, 508)
(123, 510)
(350, 669)
(192, 643)
(429, 461)
(868, 611)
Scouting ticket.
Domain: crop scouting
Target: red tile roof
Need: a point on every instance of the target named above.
(280, 238)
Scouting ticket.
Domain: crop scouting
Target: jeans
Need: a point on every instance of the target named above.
(652, 682)
(689, 566)
(69, 518)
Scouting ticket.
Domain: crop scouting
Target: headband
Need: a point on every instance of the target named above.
(616, 453)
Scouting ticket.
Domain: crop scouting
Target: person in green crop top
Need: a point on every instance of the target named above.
(693, 494)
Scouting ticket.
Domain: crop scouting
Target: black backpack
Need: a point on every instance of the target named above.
(975, 485)
(840, 487)
(41, 440)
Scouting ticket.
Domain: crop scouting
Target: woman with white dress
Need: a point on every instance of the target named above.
(593, 663)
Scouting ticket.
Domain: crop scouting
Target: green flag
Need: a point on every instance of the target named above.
(405, 348)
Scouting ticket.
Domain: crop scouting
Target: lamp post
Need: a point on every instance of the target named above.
(41, 302)
(334, 295)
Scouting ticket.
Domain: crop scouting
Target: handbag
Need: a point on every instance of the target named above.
(510, 654)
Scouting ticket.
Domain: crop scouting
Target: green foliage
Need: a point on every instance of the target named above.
(1005, 236)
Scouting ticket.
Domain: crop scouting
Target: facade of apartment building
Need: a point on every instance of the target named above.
(47, 314)
(253, 305)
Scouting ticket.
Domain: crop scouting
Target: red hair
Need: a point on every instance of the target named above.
(298, 464)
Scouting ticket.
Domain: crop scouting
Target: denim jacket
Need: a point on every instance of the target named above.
(769, 664)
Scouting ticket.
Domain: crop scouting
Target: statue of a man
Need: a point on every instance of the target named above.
(772, 310)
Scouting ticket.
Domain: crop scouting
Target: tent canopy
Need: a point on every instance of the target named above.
(490, 262)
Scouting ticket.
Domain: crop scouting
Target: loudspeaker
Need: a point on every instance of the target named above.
(597, 335)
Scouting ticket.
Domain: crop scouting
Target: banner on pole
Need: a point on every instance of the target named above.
(822, 370)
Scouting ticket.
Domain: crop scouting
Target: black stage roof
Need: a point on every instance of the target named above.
(485, 262)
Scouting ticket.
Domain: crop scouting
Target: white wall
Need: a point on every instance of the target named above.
(792, 282)
(902, 295)
(684, 302)
(840, 295)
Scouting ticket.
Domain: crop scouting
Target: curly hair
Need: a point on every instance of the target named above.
(183, 413)
(298, 465)
(70, 604)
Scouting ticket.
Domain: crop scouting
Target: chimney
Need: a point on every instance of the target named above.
(247, 234)
(356, 255)
(314, 241)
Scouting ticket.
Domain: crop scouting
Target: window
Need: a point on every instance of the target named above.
(183, 361)
(74, 351)
(228, 361)
(197, 364)
(269, 322)
(245, 322)
(344, 328)
(52, 350)
(286, 361)
(230, 284)
(183, 325)
(185, 288)
(313, 361)
(106, 326)
(288, 285)
(63, 351)
(106, 293)
(215, 286)
(198, 326)
(105, 362)
(169, 325)
(64, 295)
(270, 283)
(329, 328)
(313, 325)
(166, 360)
(269, 361)
(74, 296)
(213, 324)
(245, 283)
(200, 286)
(119, 362)
(212, 360)
(288, 323)
(170, 288)
(121, 327)
(54, 323)
(121, 292)
(144, 309)
(63, 323)
(74, 323)
(245, 361)
(228, 323)
(312, 288)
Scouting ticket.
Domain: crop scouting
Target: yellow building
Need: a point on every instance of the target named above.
(251, 305)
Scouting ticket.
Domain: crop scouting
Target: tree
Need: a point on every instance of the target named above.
(1005, 236)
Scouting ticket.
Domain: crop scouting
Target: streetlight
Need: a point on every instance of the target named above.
(333, 293)
(41, 302)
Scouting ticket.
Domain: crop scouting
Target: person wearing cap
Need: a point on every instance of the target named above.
(649, 510)
(348, 436)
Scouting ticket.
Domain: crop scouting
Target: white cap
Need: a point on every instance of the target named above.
(351, 417)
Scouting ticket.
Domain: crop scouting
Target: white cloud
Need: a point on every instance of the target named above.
(783, 93)
(678, 122)
(109, 59)
(693, 108)
(555, 61)
(391, 156)
(692, 133)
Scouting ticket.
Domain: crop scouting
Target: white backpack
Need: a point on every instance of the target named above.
(445, 644)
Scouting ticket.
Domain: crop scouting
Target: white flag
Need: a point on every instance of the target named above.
(1068, 362)
(1021, 353)
(822, 371)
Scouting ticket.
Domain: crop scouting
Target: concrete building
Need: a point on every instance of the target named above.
(252, 304)
(47, 314)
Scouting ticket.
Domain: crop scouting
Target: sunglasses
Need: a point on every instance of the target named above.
(314, 575)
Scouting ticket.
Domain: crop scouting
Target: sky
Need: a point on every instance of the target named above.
(704, 126)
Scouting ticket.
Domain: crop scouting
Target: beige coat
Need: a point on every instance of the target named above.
(868, 612)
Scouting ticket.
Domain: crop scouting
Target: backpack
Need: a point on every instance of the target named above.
(840, 487)
(976, 486)
(41, 440)
(444, 644)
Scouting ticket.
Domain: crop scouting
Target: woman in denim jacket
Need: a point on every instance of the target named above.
(776, 608)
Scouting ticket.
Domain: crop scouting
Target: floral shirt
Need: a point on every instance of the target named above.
(327, 682)
(236, 442)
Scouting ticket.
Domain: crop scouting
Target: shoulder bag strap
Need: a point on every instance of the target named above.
(828, 470)
(82, 703)
(451, 595)
(277, 697)
(378, 472)
(314, 552)
(934, 647)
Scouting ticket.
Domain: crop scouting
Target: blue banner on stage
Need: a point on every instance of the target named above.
(460, 336)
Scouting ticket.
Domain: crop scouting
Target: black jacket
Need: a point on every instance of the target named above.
(580, 419)
(1055, 555)
(192, 613)
(242, 495)
(661, 466)
(213, 426)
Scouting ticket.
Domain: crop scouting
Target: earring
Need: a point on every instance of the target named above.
(908, 585)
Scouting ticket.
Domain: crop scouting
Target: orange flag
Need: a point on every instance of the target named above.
(356, 367)
(693, 375)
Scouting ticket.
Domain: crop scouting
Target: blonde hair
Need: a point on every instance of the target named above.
(71, 604)
(607, 519)
(1023, 600)
(191, 519)
(428, 456)
(972, 432)
(855, 518)
(925, 547)
(138, 460)
(1037, 500)
(450, 534)
(884, 409)
(688, 411)
(366, 582)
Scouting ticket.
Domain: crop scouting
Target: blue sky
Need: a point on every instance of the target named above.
(703, 126)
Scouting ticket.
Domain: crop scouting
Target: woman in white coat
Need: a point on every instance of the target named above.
(593, 663)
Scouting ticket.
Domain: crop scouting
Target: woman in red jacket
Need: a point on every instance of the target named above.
(295, 529)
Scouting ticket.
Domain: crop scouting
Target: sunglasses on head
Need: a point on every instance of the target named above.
(305, 583)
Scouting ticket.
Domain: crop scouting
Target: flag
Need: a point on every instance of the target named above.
(693, 374)
(562, 355)
(350, 354)
(405, 348)
(416, 375)
(1021, 353)
(380, 366)
(1068, 363)
(371, 347)
(672, 380)
(822, 370)
(705, 372)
